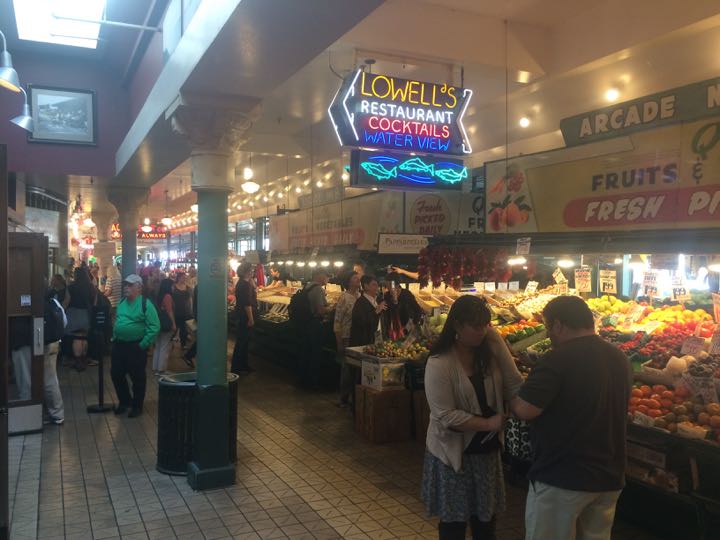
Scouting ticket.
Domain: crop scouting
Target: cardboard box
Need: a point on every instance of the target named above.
(382, 375)
(421, 415)
(383, 416)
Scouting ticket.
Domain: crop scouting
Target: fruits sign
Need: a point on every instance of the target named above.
(379, 111)
(666, 178)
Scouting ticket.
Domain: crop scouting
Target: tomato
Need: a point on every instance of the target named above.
(658, 388)
(656, 397)
(666, 403)
(636, 392)
(654, 413)
(667, 394)
(646, 390)
(653, 404)
(634, 400)
(643, 409)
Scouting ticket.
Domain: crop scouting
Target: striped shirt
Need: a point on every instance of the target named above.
(113, 290)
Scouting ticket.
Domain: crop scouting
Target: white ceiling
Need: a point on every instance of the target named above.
(570, 60)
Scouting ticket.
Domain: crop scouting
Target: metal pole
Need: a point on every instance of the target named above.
(4, 452)
(104, 22)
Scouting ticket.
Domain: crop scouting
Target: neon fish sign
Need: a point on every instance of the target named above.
(395, 170)
(379, 111)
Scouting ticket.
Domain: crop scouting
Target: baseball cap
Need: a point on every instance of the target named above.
(133, 279)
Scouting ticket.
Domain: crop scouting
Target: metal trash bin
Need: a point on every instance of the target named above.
(176, 396)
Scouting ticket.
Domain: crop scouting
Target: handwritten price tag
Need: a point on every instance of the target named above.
(479, 286)
(531, 287)
(608, 281)
(703, 387)
(558, 276)
(502, 286)
(692, 345)
(514, 286)
(490, 286)
(583, 280)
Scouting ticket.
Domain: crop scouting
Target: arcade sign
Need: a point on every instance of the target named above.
(379, 111)
(396, 170)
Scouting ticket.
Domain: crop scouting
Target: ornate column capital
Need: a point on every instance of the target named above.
(212, 125)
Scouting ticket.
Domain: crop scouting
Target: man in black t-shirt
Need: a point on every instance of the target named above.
(576, 398)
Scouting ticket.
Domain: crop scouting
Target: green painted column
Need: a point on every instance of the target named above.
(211, 467)
(212, 292)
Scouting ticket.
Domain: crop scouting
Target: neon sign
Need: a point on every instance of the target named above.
(388, 170)
(379, 111)
(158, 232)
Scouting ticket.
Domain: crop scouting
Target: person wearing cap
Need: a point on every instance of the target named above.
(136, 327)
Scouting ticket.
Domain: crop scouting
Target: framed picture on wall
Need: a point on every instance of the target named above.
(62, 115)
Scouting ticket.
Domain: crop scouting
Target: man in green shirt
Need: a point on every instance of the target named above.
(136, 327)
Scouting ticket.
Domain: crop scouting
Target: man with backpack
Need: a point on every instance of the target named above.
(307, 309)
(55, 322)
(136, 327)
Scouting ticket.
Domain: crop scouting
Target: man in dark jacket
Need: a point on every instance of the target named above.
(366, 314)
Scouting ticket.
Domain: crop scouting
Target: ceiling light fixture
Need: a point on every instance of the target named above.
(300, 264)
(24, 119)
(612, 94)
(345, 175)
(298, 189)
(618, 260)
(565, 262)
(247, 173)
(517, 261)
(325, 264)
(146, 221)
(250, 187)
(319, 183)
(312, 264)
(338, 264)
(167, 220)
(8, 76)
(524, 122)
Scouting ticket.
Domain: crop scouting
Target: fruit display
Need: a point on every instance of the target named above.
(608, 305)
(675, 314)
(673, 410)
(521, 330)
(437, 323)
(541, 347)
(397, 349)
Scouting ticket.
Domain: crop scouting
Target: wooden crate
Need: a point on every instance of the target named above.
(421, 415)
(383, 416)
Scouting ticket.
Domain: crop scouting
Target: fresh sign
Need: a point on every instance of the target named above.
(379, 111)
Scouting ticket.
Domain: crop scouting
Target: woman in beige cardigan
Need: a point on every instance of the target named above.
(468, 380)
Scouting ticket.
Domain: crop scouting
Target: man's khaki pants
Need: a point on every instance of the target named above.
(561, 514)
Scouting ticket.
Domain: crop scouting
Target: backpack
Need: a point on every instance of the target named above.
(299, 309)
(54, 321)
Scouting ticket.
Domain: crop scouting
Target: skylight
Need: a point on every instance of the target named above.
(36, 21)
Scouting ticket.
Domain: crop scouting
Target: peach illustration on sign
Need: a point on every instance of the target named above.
(512, 210)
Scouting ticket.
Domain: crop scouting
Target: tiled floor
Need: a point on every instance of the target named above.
(302, 473)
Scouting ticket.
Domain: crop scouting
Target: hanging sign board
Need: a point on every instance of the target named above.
(608, 281)
(682, 104)
(379, 111)
(401, 244)
(395, 170)
(583, 279)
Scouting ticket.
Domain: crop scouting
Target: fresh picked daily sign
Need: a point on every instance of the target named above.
(378, 111)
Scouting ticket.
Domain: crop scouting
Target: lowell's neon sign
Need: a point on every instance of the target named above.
(378, 111)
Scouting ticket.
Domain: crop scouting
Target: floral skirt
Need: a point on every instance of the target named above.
(477, 490)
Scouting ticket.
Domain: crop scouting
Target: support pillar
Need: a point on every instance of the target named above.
(104, 247)
(215, 133)
(211, 178)
(128, 202)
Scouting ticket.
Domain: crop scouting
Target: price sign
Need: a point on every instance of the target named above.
(558, 276)
(650, 326)
(583, 279)
(679, 290)
(692, 345)
(636, 312)
(502, 286)
(608, 281)
(514, 285)
(703, 387)
(479, 286)
(490, 286)
(715, 343)
(650, 283)
(531, 287)
(643, 419)
(523, 246)
(562, 288)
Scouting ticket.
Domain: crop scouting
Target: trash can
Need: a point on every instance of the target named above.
(176, 397)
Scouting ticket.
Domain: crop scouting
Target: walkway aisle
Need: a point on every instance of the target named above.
(302, 474)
